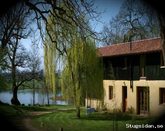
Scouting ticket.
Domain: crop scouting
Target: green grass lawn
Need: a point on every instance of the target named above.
(67, 120)
(11, 111)
(65, 117)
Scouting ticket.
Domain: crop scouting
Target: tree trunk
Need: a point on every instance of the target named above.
(78, 111)
(162, 34)
(47, 93)
(14, 99)
(33, 92)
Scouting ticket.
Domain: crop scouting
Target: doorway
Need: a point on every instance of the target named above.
(124, 98)
(142, 100)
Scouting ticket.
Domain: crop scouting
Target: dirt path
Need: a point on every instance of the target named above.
(36, 113)
(27, 123)
(28, 126)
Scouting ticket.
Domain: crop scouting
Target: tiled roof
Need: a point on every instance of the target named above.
(136, 47)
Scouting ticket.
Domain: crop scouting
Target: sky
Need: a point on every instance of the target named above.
(107, 8)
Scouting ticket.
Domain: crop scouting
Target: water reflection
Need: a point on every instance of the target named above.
(27, 97)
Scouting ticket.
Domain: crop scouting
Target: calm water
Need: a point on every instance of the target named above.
(26, 97)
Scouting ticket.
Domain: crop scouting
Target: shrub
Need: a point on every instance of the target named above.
(130, 110)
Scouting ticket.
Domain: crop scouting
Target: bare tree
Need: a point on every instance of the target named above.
(34, 64)
(17, 58)
(113, 32)
(9, 22)
(16, 55)
(135, 20)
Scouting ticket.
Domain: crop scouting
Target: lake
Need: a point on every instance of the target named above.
(26, 97)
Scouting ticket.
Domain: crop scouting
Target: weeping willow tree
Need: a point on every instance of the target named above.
(82, 76)
(81, 69)
(50, 60)
(49, 67)
(57, 40)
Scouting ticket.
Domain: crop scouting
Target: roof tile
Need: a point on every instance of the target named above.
(128, 48)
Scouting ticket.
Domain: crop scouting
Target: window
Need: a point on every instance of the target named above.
(110, 92)
(161, 95)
